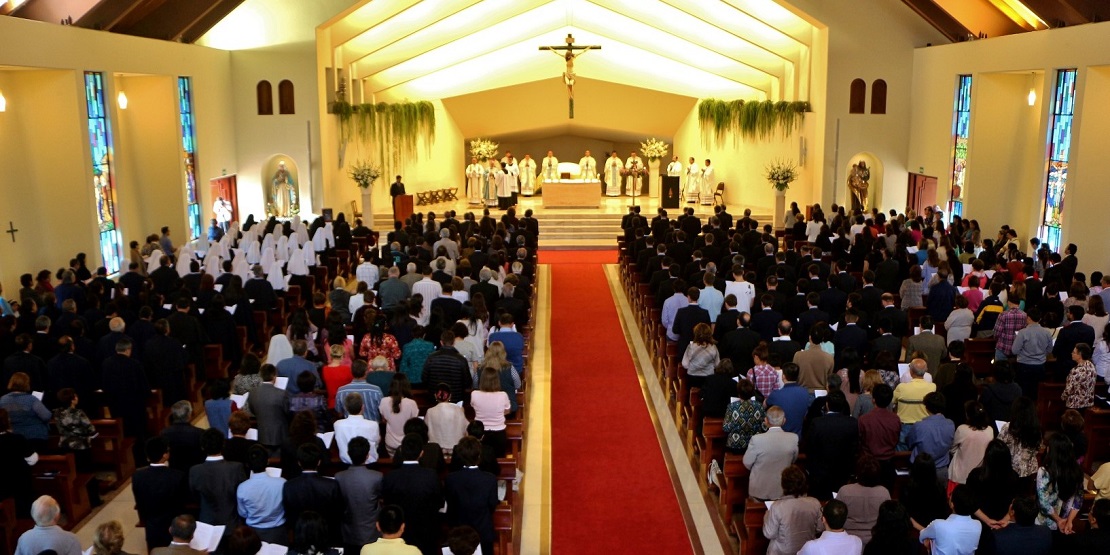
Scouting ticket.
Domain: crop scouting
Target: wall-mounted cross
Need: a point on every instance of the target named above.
(570, 52)
(12, 230)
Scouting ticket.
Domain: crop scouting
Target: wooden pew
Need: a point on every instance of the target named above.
(9, 532)
(710, 443)
(56, 476)
(748, 526)
(1097, 428)
(503, 526)
(1049, 405)
(734, 485)
(215, 367)
(111, 449)
(514, 432)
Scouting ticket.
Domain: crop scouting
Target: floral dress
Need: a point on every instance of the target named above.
(75, 428)
(1024, 460)
(1079, 392)
(387, 348)
(743, 419)
(1049, 502)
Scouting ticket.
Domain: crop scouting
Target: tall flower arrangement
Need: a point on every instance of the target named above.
(483, 149)
(654, 149)
(364, 174)
(780, 174)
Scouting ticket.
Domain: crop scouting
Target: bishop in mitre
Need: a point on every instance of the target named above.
(527, 168)
(692, 187)
(587, 168)
(674, 169)
(613, 167)
(549, 168)
(475, 178)
(706, 188)
(635, 168)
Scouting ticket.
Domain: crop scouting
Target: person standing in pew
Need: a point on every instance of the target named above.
(214, 483)
(260, 501)
(270, 406)
(181, 531)
(160, 493)
(361, 489)
(183, 438)
(47, 535)
(126, 388)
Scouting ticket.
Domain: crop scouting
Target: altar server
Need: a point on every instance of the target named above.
(475, 173)
(527, 168)
(707, 183)
(693, 181)
(635, 168)
(613, 168)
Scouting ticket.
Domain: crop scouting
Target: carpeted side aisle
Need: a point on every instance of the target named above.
(611, 492)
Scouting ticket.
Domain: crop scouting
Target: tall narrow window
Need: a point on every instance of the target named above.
(961, 127)
(286, 105)
(189, 153)
(104, 184)
(264, 93)
(1059, 147)
(878, 97)
(857, 100)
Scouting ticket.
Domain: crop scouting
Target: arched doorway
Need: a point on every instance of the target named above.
(873, 175)
(281, 186)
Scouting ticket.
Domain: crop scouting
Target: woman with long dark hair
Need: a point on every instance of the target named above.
(379, 343)
(923, 496)
(891, 534)
(396, 409)
(994, 483)
(1059, 485)
(1023, 436)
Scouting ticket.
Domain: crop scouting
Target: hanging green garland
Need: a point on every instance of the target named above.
(752, 120)
(394, 127)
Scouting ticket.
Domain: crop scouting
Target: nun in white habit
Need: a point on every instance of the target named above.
(280, 349)
(297, 266)
(254, 252)
(152, 261)
(276, 277)
(239, 265)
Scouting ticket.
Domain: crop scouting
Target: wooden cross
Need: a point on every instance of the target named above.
(12, 230)
(569, 53)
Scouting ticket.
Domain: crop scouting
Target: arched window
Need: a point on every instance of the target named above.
(878, 97)
(265, 93)
(285, 97)
(857, 102)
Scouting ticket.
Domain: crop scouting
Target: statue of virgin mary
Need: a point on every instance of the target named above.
(283, 193)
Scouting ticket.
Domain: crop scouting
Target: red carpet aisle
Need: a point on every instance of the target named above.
(610, 489)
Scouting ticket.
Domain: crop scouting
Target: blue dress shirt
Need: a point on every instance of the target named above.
(932, 435)
(260, 501)
(955, 535)
(794, 400)
(292, 367)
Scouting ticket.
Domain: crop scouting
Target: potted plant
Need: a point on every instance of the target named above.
(364, 174)
(780, 174)
(483, 149)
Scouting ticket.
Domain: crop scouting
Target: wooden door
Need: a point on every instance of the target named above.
(922, 192)
(226, 187)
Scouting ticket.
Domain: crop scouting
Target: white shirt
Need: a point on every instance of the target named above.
(955, 535)
(833, 543)
(368, 273)
(446, 425)
(431, 290)
(745, 294)
(354, 426)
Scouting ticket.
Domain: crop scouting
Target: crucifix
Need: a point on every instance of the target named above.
(569, 53)
(11, 230)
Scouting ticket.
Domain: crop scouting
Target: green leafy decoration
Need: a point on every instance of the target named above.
(750, 120)
(395, 128)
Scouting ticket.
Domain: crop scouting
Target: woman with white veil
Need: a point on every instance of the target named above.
(153, 261)
(239, 265)
(280, 349)
(254, 252)
(281, 250)
(276, 277)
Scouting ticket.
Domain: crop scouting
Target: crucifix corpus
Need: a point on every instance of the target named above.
(569, 53)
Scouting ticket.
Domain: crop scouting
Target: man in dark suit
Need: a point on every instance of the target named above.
(214, 483)
(183, 438)
(417, 491)
(850, 336)
(680, 250)
(1067, 266)
(312, 492)
(871, 297)
(782, 349)
(67, 369)
(181, 530)
(488, 290)
(830, 447)
(1034, 289)
(886, 274)
(471, 493)
(166, 362)
(126, 388)
(899, 322)
(160, 493)
(686, 318)
(886, 342)
(361, 489)
(270, 406)
(509, 303)
(450, 306)
(259, 291)
(833, 301)
(812, 315)
(106, 345)
(187, 329)
(737, 346)
(236, 446)
(165, 278)
(765, 321)
(1073, 333)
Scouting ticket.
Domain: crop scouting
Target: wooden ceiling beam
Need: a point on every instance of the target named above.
(937, 17)
(166, 20)
(107, 14)
(1092, 10)
(203, 23)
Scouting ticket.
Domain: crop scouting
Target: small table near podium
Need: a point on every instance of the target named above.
(402, 207)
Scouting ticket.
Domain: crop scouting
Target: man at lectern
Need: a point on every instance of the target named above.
(395, 190)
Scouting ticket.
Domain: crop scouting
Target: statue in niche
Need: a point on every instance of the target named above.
(283, 193)
(859, 178)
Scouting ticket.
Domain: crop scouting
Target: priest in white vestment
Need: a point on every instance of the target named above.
(707, 183)
(475, 173)
(692, 186)
(490, 189)
(587, 168)
(635, 167)
(514, 183)
(549, 168)
(613, 167)
(527, 168)
(674, 169)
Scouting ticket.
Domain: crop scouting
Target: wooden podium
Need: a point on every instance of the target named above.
(402, 207)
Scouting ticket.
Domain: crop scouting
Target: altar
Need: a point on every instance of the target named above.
(571, 193)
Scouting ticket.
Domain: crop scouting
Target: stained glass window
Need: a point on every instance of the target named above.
(188, 146)
(961, 127)
(1059, 147)
(104, 184)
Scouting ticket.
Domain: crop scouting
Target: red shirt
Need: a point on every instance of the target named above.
(336, 377)
(878, 433)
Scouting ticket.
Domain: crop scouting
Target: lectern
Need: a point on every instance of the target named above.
(669, 192)
(402, 207)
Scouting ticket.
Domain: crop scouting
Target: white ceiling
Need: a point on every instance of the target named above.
(433, 49)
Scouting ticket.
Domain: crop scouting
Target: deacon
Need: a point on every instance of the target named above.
(550, 167)
(527, 176)
(707, 183)
(635, 167)
(504, 185)
(475, 177)
(587, 168)
(514, 183)
(674, 169)
(693, 181)
(613, 170)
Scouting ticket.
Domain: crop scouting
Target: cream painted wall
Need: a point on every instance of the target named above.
(42, 45)
(741, 165)
(150, 182)
(1084, 47)
(47, 187)
(868, 39)
(257, 138)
